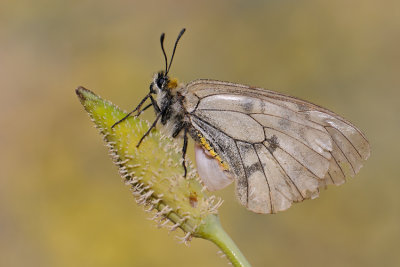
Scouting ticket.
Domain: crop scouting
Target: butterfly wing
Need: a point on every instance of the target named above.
(279, 148)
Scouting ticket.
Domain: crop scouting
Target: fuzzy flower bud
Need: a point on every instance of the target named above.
(155, 174)
(154, 170)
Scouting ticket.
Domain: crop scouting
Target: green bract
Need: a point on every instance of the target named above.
(154, 172)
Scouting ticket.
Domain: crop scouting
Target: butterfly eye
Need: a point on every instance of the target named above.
(160, 82)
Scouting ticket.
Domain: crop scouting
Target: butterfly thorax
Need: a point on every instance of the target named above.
(170, 102)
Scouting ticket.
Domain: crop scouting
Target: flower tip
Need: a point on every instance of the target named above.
(83, 93)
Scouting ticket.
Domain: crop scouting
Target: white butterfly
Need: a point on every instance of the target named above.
(278, 149)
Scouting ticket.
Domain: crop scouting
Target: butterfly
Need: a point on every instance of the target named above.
(278, 149)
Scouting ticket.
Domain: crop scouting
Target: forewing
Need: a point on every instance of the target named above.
(280, 149)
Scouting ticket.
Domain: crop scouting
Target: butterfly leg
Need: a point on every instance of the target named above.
(151, 127)
(143, 109)
(182, 126)
(159, 115)
(155, 105)
(184, 149)
(137, 108)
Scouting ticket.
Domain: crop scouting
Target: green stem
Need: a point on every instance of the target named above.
(213, 231)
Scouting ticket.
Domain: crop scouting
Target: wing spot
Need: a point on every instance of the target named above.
(254, 167)
(248, 106)
(273, 143)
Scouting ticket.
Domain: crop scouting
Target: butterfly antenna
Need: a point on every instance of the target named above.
(163, 50)
(173, 52)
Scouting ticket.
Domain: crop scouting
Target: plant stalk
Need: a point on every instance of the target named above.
(213, 231)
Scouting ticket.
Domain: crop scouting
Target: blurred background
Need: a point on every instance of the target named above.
(62, 202)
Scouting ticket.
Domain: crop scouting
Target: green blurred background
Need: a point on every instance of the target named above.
(62, 202)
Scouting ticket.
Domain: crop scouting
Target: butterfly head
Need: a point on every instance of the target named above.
(161, 80)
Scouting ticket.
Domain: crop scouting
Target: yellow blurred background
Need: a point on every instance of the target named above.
(62, 202)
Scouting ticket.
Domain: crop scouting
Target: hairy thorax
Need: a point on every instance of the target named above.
(175, 115)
